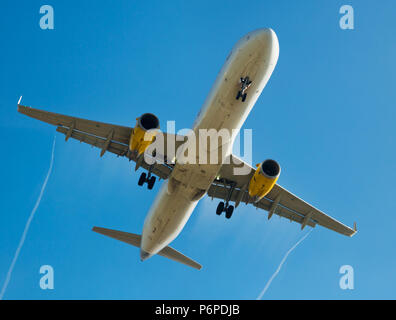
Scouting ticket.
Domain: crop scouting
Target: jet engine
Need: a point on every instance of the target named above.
(264, 179)
(143, 133)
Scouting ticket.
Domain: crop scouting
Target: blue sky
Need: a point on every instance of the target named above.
(327, 116)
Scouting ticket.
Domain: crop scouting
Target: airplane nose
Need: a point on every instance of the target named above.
(144, 255)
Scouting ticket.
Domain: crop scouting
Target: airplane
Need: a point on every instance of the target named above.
(237, 87)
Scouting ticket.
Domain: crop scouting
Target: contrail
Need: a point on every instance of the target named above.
(28, 224)
(280, 265)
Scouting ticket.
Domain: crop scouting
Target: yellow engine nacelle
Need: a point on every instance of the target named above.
(141, 137)
(264, 179)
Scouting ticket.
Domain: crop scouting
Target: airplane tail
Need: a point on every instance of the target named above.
(135, 239)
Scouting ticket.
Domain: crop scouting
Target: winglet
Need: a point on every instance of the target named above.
(353, 232)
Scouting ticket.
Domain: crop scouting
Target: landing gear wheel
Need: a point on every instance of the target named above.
(150, 183)
(142, 179)
(229, 212)
(220, 208)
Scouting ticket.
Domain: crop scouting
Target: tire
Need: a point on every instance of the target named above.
(142, 179)
(238, 95)
(244, 97)
(229, 212)
(220, 208)
(151, 182)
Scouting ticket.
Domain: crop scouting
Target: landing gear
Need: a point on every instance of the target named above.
(245, 84)
(147, 178)
(225, 206)
(150, 183)
(241, 95)
(142, 179)
(228, 209)
(220, 208)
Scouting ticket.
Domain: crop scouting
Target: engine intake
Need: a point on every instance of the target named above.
(143, 133)
(148, 121)
(264, 179)
(270, 168)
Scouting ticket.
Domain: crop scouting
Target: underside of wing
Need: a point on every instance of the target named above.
(234, 187)
(120, 134)
(105, 136)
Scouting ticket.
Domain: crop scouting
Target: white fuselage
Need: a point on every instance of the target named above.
(255, 56)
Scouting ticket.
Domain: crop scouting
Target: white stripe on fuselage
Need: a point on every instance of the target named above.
(255, 55)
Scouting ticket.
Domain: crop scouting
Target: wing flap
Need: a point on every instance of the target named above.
(114, 147)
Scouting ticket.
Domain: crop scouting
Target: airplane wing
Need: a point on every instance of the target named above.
(115, 139)
(278, 201)
(105, 136)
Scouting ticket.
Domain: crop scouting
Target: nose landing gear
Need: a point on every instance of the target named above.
(245, 84)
